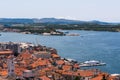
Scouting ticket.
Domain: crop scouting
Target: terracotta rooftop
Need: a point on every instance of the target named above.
(3, 73)
(86, 73)
(41, 52)
(67, 67)
(25, 55)
(97, 78)
(44, 78)
(6, 52)
(55, 56)
(70, 73)
(76, 66)
(40, 62)
(60, 62)
(19, 71)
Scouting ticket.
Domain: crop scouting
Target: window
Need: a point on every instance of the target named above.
(12, 70)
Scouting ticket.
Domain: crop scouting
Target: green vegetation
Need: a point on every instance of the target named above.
(51, 24)
(46, 27)
(93, 27)
(34, 29)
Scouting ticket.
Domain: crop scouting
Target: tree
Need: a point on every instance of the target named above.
(77, 78)
(104, 78)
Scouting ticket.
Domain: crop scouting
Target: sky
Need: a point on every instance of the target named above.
(85, 10)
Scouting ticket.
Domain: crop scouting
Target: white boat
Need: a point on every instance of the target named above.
(46, 34)
(91, 63)
(72, 34)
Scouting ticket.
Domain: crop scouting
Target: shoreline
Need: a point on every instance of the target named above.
(68, 51)
(50, 59)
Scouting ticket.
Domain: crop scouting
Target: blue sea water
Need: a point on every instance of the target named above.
(103, 46)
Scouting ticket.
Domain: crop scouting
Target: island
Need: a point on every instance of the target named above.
(49, 26)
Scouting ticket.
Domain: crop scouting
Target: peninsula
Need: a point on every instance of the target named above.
(25, 61)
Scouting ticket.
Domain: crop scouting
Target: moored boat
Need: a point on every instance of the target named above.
(72, 34)
(91, 63)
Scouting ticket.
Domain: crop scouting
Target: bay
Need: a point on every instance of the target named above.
(90, 45)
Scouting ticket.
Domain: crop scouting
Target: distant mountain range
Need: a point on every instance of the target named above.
(16, 20)
(51, 21)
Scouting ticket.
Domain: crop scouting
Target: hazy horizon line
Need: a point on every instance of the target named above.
(59, 18)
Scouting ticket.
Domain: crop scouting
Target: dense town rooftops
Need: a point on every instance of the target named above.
(28, 65)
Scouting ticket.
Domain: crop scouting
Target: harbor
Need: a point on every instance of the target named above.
(90, 47)
(40, 62)
(59, 40)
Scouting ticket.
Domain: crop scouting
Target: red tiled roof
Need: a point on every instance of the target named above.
(55, 56)
(66, 67)
(60, 62)
(44, 78)
(6, 52)
(4, 73)
(19, 70)
(86, 73)
(97, 78)
(26, 55)
(40, 62)
(76, 66)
